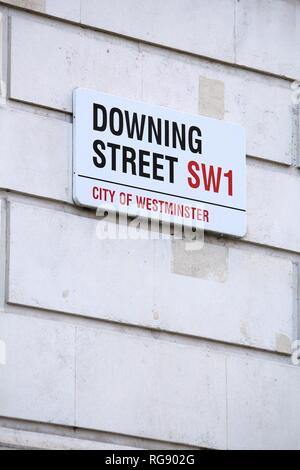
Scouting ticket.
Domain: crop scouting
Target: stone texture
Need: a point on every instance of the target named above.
(36, 154)
(263, 405)
(75, 58)
(2, 253)
(262, 34)
(66, 9)
(36, 5)
(267, 35)
(37, 382)
(42, 441)
(211, 98)
(148, 283)
(160, 390)
(272, 207)
(2, 352)
(211, 296)
(196, 26)
(262, 105)
(129, 380)
(2, 66)
(105, 63)
(75, 271)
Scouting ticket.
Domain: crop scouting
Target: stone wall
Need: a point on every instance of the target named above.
(140, 344)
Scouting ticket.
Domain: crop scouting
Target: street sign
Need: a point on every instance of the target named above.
(157, 162)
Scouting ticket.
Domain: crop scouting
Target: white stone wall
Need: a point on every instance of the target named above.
(142, 344)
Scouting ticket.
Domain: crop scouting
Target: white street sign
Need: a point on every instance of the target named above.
(156, 162)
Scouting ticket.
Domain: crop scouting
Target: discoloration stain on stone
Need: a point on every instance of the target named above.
(2, 353)
(209, 263)
(66, 294)
(155, 315)
(244, 331)
(37, 5)
(211, 98)
(3, 210)
(283, 344)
